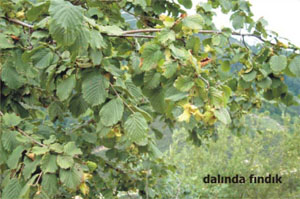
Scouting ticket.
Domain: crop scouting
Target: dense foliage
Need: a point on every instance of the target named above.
(80, 90)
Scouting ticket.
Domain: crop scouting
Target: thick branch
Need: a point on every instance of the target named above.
(132, 33)
(21, 23)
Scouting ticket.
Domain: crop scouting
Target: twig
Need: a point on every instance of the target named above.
(133, 35)
(37, 181)
(205, 81)
(21, 23)
(130, 33)
(28, 136)
(244, 42)
(112, 86)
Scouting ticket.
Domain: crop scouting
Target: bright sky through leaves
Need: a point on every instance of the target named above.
(282, 17)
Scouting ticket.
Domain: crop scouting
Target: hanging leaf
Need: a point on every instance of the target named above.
(66, 20)
(166, 36)
(11, 77)
(9, 141)
(112, 112)
(71, 149)
(249, 77)
(55, 110)
(11, 119)
(77, 105)
(136, 128)
(49, 184)
(65, 161)
(48, 163)
(294, 66)
(13, 159)
(94, 88)
(223, 115)
(186, 3)
(193, 21)
(65, 87)
(42, 58)
(71, 178)
(184, 83)
(12, 189)
(5, 42)
(151, 56)
(278, 63)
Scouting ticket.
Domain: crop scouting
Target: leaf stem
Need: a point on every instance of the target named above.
(112, 86)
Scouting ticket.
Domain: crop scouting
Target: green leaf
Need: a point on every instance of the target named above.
(186, 3)
(5, 43)
(250, 76)
(152, 79)
(134, 91)
(30, 167)
(96, 56)
(225, 66)
(71, 178)
(66, 14)
(265, 83)
(56, 147)
(71, 149)
(49, 184)
(42, 58)
(12, 189)
(25, 191)
(184, 83)
(177, 96)
(142, 3)
(166, 36)
(157, 99)
(136, 128)
(151, 56)
(146, 115)
(65, 87)
(238, 21)
(9, 141)
(13, 159)
(77, 105)
(11, 77)
(294, 66)
(223, 115)
(37, 10)
(64, 161)
(48, 163)
(94, 88)
(112, 112)
(193, 21)
(37, 150)
(97, 41)
(112, 30)
(56, 110)
(66, 20)
(11, 119)
(178, 53)
(170, 69)
(278, 63)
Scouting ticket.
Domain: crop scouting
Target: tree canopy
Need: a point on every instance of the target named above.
(80, 89)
